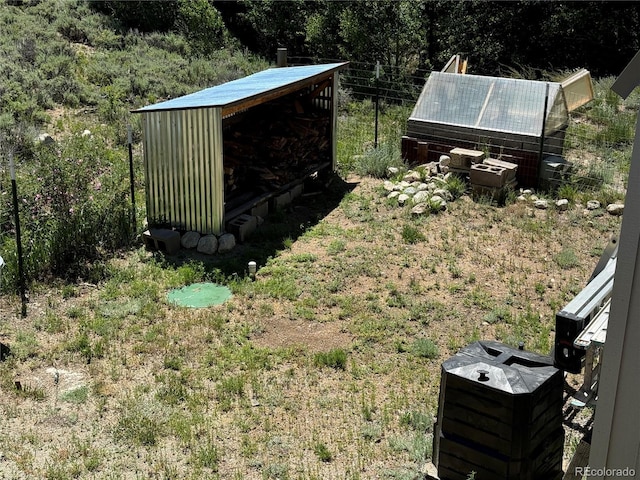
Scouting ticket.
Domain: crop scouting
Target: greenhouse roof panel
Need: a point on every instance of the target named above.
(488, 103)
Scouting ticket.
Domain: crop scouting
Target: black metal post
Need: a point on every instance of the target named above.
(375, 140)
(131, 179)
(544, 126)
(16, 212)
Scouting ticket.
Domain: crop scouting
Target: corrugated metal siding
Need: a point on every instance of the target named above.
(183, 165)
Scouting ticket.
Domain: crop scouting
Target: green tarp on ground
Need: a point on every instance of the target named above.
(199, 295)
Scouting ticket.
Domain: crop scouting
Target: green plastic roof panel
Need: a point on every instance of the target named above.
(491, 103)
(246, 88)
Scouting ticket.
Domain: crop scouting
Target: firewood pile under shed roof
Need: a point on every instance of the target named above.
(215, 154)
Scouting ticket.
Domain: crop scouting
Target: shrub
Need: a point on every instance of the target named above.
(74, 208)
(376, 162)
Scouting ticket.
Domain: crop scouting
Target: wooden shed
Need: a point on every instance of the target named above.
(520, 121)
(218, 153)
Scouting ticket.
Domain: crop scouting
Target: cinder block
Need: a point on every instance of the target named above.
(464, 158)
(296, 191)
(260, 210)
(162, 239)
(510, 167)
(497, 194)
(242, 226)
(487, 175)
(281, 201)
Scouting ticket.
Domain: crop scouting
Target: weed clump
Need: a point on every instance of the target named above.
(336, 359)
(425, 348)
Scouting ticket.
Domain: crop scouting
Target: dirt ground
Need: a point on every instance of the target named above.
(477, 272)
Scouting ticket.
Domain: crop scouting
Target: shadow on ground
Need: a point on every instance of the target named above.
(279, 229)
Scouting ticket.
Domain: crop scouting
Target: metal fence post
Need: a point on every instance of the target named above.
(375, 140)
(16, 212)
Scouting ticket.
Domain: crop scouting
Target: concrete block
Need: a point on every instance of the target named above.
(487, 175)
(296, 191)
(511, 168)
(260, 210)
(242, 226)
(497, 194)
(464, 158)
(162, 239)
(281, 201)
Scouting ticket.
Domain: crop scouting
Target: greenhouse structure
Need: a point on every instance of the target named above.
(519, 121)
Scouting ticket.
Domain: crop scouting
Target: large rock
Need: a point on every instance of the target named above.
(593, 205)
(412, 176)
(388, 185)
(420, 209)
(562, 204)
(444, 193)
(226, 243)
(190, 240)
(437, 203)
(541, 204)
(208, 244)
(615, 208)
(402, 198)
(421, 196)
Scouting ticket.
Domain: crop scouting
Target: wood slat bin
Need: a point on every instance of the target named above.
(500, 415)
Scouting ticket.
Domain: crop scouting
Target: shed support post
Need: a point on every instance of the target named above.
(281, 59)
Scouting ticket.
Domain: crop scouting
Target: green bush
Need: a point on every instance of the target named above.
(376, 162)
(74, 207)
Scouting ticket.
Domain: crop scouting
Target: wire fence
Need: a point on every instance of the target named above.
(534, 124)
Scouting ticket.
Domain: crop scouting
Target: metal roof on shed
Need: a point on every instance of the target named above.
(269, 83)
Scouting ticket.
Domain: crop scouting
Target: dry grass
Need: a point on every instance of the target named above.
(326, 367)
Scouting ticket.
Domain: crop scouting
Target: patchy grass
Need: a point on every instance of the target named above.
(329, 361)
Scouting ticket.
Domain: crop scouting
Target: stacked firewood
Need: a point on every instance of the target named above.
(275, 143)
